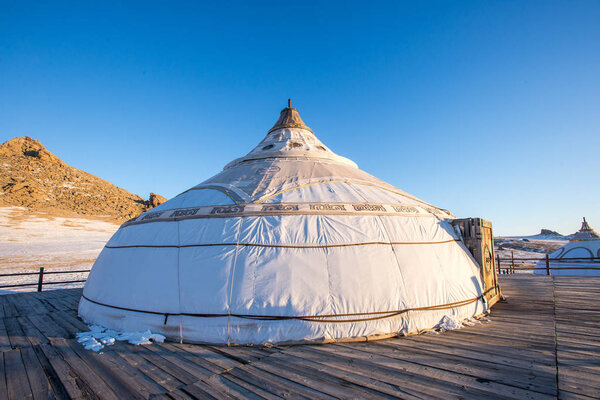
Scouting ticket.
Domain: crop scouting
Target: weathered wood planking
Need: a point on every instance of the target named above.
(543, 343)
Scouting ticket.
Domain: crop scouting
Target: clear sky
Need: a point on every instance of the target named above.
(487, 108)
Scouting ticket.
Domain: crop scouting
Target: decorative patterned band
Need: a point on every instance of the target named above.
(253, 209)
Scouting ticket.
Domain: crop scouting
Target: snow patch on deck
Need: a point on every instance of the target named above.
(98, 336)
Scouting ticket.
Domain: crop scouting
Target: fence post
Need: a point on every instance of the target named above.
(512, 262)
(498, 263)
(547, 264)
(41, 279)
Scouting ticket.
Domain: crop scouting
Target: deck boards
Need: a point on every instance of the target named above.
(543, 343)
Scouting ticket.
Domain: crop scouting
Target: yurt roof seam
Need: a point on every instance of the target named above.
(232, 277)
(309, 318)
(178, 282)
(231, 193)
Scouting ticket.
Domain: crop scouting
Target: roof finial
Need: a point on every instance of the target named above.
(289, 118)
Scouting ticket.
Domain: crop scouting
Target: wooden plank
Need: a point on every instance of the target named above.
(55, 303)
(40, 386)
(3, 388)
(82, 370)
(239, 354)
(16, 377)
(200, 359)
(173, 369)
(576, 385)
(206, 353)
(33, 335)
(15, 333)
(412, 377)
(4, 341)
(230, 388)
(134, 377)
(488, 347)
(60, 318)
(158, 375)
(507, 357)
(2, 302)
(47, 305)
(9, 308)
(121, 387)
(269, 383)
(294, 370)
(58, 388)
(377, 377)
(74, 320)
(380, 356)
(253, 391)
(513, 376)
(179, 395)
(174, 357)
(47, 327)
(35, 306)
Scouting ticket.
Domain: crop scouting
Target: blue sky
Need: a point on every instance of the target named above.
(489, 109)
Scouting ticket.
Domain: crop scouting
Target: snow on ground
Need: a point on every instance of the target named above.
(526, 250)
(450, 323)
(98, 337)
(29, 241)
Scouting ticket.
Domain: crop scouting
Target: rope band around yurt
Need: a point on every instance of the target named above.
(311, 318)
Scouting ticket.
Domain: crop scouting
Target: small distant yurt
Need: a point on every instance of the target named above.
(290, 243)
(581, 256)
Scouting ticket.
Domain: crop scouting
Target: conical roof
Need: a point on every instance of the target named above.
(580, 256)
(290, 242)
(290, 118)
(585, 233)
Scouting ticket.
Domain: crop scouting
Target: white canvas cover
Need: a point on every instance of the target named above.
(581, 256)
(289, 243)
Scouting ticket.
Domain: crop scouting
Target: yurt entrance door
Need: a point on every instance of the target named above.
(479, 239)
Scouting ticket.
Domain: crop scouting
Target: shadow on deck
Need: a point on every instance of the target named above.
(543, 343)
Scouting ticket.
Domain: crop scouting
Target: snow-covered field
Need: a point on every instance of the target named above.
(29, 241)
(526, 250)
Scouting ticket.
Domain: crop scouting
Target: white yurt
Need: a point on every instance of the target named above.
(581, 256)
(290, 243)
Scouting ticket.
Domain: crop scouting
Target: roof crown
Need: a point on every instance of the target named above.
(289, 118)
(586, 232)
(291, 139)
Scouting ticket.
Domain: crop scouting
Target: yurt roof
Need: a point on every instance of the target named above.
(585, 233)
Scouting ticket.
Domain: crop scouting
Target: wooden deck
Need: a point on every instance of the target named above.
(543, 343)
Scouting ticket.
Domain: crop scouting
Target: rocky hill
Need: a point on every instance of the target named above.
(32, 177)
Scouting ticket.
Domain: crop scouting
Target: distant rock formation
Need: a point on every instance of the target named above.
(155, 200)
(33, 177)
(549, 232)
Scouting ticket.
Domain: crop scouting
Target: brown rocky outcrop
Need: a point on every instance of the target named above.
(33, 177)
(155, 200)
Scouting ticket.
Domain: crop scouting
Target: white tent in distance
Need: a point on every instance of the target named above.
(581, 256)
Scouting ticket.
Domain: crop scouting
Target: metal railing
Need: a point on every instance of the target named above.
(505, 266)
(518, 264)
(40, 278)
